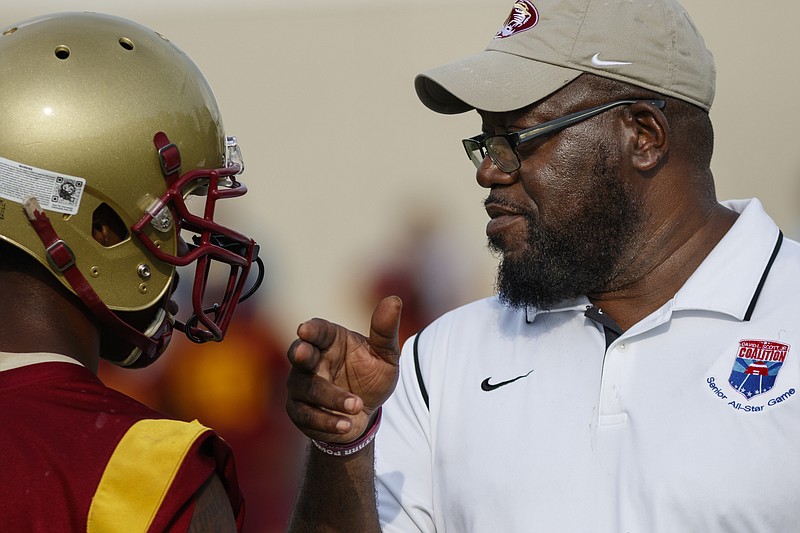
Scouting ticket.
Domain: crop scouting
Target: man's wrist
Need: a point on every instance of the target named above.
(345, 450)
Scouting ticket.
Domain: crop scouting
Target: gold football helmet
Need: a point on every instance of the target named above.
(102, 117)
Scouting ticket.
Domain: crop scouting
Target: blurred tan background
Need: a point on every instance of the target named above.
(341, 157)
(356, 189)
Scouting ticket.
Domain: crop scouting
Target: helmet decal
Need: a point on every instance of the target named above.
(56, 192)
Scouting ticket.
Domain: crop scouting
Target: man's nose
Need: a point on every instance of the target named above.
(488, 175)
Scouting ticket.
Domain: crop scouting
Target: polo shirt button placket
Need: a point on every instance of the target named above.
(612, 412)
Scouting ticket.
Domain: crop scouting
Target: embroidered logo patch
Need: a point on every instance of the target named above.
(524, 16)
(757, 365)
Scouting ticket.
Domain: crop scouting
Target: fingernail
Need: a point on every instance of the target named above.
(350, 405)
(343, 425)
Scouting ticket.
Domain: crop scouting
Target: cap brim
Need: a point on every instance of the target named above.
(490, 81)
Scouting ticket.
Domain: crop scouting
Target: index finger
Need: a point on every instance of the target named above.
(303, 356)
(318, 331)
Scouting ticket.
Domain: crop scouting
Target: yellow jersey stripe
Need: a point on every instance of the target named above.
(139, 474)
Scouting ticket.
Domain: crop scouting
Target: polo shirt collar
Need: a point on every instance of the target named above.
(578, 304)
(729, 279)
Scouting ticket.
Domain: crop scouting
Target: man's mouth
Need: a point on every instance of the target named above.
(502, 218)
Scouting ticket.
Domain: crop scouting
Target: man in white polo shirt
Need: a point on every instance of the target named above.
(635, 373)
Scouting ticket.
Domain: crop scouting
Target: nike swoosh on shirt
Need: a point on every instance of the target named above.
(488, 387)
(597, 62)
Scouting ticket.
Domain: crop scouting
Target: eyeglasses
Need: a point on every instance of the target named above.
(502, 149)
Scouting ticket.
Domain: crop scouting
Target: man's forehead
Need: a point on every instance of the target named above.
(533, 113)
(584, 92)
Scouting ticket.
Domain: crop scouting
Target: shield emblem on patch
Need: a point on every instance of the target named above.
(757, 365)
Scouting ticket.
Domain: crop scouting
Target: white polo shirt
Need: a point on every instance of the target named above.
(688, 422)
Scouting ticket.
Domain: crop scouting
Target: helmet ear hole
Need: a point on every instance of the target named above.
(107, 226)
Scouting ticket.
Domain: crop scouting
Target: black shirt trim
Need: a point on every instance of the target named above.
(422, 388)
(610, 326)
(753, 301)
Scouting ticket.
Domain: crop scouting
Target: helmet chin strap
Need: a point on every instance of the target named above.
(148, 346)
(161, 321)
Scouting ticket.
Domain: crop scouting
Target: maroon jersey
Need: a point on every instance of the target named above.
(78, 456)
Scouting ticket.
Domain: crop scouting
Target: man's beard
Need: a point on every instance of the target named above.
(577, 255)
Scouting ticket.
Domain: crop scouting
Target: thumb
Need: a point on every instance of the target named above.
(385, 327)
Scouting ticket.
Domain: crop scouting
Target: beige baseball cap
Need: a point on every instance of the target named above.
(545, 44)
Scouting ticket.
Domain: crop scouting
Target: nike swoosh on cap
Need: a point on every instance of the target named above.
(597, 62)
(488, 387)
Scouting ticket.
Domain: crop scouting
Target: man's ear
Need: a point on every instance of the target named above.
(651, 135)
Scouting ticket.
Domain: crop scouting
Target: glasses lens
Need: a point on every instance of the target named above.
(501, 153)
(474, 151)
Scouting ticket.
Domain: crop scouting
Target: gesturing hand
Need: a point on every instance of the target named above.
(340, 377)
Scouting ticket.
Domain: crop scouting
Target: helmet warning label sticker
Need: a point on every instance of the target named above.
(55, 192)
